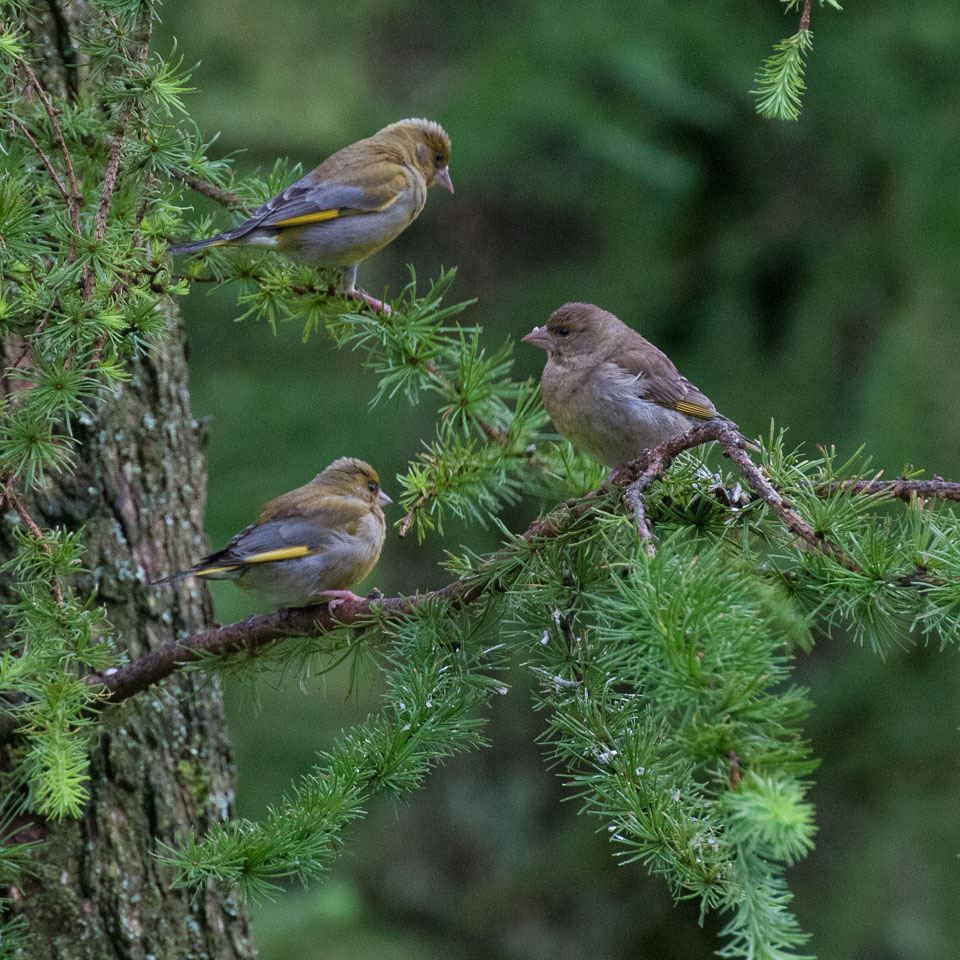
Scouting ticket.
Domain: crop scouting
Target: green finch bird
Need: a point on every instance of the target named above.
(609, 391)
(352, 205)
(310, 545)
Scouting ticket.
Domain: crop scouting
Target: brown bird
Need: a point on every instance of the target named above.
(609, 391)
(355, 203)
(309, 545)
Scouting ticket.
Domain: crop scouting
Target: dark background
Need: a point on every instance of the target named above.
(801, 272)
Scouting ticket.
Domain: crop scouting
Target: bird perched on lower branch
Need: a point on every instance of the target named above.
(310, 545)
(352, 205)
(608, 390)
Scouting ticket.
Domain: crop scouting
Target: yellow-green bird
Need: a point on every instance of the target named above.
(608, 390)
(310, 545)
(352, 205)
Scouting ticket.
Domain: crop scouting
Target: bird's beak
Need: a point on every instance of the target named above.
(540, 337)
(383, 499)
(442, 177)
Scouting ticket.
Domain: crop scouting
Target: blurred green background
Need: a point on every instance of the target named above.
(806, 272)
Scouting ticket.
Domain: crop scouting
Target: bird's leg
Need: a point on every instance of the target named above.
(339, 598)
(348, 281)
(348, 287)
(378, 306)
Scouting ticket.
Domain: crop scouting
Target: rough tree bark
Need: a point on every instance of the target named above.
(161, 762)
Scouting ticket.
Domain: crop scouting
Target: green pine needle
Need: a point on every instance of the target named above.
(780, 80)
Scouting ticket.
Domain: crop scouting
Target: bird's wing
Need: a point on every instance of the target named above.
(678, 393)
(307, 202)
(282, 539)
(656, 379)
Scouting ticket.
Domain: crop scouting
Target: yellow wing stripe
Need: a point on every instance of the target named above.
(284, 553)
(695, 410)
(306, 218)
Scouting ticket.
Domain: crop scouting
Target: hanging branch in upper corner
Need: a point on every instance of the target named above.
(780, 83)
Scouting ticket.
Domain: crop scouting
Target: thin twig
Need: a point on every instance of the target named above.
(900, 489)
(211, 190)
(184, 276)
(41, 326)
(734, 446)
(46, 160)
(113, 167)
(492, 433)
(654, 462)
(735, 775)
(805, 16)
(75, 197)
(94, 362)
(14, 501)
(414, 507)
(113, 162)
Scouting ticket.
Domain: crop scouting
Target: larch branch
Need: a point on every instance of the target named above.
(255, 633)
(899, 489)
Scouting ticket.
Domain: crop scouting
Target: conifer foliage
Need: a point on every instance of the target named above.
(780, 82)
(661, 626)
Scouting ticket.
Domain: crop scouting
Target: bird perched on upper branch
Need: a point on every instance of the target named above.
(608, 390)
(352, 205)
(309, 545)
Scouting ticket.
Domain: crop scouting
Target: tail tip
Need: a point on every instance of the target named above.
(171, 579)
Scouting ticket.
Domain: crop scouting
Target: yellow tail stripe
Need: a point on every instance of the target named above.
(306, 218)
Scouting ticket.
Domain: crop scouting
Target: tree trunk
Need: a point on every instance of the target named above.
(161, 764)
(160, 761)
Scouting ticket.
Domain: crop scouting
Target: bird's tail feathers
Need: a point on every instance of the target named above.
(182, 575)
(193, 245)
(208, 568)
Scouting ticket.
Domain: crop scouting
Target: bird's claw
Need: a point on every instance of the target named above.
(339, 598)
(378, 306)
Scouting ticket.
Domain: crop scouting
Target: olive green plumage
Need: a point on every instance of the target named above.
(355, 203)
(309, 545)
(609, 391)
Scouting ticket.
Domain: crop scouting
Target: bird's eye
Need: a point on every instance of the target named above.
(372, 487)
(563, 331)
(438, 159)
